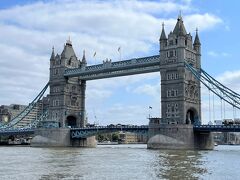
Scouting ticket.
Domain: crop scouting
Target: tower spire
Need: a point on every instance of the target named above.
(196, 40)
(163, 35)
(180, 15)
(69, 42)
(84, 61)
(179, 28)
(53, 54)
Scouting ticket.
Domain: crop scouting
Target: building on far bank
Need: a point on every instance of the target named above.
(232, 138)
(218, 122)
(9, 112)
(128, 138)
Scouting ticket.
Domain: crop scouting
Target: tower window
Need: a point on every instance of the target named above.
(168, 76)
(168, 93)
(176, 92)
(55, 71)
(176, 41)
(171, 53)
(170, 42)
(73, 88)
(176, 76)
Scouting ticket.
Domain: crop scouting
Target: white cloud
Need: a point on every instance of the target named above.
(230, 79)
(148, 89)
(28, 33)
(201, 21)
(218, 54)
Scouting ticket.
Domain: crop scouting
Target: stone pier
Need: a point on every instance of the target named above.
(178, 136)
(59, 137)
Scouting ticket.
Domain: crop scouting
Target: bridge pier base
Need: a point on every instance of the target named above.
(203, 140)
(84, 142)
(59, 137)
(176, 136)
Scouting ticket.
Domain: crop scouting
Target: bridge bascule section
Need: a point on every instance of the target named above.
(179, 64)
(78, 133)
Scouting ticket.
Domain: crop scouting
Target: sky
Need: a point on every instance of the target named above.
(30, 28)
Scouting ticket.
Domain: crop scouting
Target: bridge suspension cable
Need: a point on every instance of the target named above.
(209, 104)
(26, 111)
(215, 86)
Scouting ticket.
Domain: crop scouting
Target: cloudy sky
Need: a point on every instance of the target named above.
(29, 29)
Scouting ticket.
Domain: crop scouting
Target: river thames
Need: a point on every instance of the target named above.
(118, 162)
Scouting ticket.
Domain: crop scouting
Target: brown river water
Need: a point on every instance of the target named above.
(118, 162)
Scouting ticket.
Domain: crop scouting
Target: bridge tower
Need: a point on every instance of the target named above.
(67, 96)
(180, 91)
(180, 94)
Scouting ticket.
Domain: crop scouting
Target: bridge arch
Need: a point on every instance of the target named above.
(192, 116)
(71, 121)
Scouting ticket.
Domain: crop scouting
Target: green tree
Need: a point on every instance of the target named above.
(115, 137)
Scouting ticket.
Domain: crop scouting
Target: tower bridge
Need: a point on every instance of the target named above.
(179, 65)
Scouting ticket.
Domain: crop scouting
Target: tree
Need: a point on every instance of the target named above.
(115, 137)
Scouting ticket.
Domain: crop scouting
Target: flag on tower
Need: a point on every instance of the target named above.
(150, 107)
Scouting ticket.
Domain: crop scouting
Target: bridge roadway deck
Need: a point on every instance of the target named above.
(81, 132)
(88, 131)
(217, 128)
(8, 132)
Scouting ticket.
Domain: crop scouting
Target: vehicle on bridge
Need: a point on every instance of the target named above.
(228, 122)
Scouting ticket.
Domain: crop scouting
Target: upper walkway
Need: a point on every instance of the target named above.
(113, 69)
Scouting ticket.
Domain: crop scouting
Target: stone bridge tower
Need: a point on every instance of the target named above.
(180, 94)
(180, 91)
(67, 96)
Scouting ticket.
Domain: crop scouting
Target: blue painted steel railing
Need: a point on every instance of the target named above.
(77, 133)
(217, 128)
(9, 132)
(113, 69)
(91, 131)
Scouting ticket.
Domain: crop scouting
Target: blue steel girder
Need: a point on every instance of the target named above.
(114, 69)
(8, 132)
(77, 133)
(26, 111)
(216, 128)
(216, 87)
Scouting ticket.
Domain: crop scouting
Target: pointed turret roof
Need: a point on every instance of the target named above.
(53, 54)
(163, 35)
(84, 61)
(196, 40)
(179, 27)
(68, 51)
